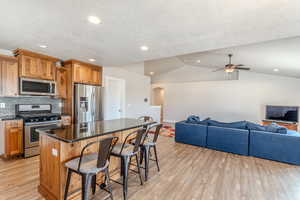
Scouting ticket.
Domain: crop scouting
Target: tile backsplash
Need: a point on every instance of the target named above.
(10, 103)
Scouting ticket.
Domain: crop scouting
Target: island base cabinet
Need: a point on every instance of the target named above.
(53, 156)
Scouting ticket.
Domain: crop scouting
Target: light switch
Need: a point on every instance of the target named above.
(2, 105)
(54, 152)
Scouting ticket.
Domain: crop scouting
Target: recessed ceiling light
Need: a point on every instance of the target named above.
(151, 73)
(276, 70)
(92, 60)
(198, 61)
(94, 20)
(43, 46)
(144, 48)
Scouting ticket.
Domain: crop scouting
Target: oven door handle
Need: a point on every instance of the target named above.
(30, 124)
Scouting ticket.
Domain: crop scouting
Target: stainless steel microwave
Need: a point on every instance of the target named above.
(37, 87)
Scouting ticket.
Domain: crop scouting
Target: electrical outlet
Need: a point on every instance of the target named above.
(2, 105)
(54, 152)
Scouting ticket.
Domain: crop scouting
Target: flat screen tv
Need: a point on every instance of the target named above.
(282, 113)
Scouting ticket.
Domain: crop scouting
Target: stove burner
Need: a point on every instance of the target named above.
(29, 113)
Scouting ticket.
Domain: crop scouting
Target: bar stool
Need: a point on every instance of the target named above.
(146, 118)
(89, 165)
(148, 144)
(125, 152)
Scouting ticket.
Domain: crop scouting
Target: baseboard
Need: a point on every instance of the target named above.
(169, 121)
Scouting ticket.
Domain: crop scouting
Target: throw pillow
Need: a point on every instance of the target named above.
(193, 119)
(255, 127)
(204, 122)
(275, 128)
(238, 125)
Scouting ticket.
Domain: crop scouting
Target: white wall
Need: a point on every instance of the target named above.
(242, 99)
(137, 89)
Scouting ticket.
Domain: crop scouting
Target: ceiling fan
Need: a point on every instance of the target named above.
(232, 67)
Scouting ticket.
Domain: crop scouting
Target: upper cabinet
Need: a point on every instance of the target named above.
(35, 65)
(8, 76)
(62, 80)
(85, 73)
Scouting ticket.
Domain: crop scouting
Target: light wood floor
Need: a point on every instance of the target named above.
(187, 172)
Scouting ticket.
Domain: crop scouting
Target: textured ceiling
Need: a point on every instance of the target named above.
(169, 27)
(261, 57)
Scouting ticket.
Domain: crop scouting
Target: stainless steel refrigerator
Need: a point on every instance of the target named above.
(88, 103)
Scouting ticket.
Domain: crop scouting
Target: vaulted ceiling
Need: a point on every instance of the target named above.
(168, 27)
(278, 57)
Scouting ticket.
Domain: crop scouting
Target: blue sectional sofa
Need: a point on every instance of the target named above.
(242, 139)
(274, 146)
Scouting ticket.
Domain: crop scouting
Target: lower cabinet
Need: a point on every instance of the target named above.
(12, 137)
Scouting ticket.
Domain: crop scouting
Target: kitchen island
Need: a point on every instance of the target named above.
(57, 146)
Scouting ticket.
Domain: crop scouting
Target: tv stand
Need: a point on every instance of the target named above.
(288, 125)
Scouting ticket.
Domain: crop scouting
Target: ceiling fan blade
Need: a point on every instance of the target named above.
(242, 68)
(240, 65)
(220, 69)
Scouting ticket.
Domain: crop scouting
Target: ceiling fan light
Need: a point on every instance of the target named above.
(229, 70)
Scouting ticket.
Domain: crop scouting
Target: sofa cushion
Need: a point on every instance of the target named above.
(238, 125)
(275, 128)
(255, 127)
(193, 119)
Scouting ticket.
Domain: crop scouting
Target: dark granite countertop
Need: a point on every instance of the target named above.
(9, 117)
(77, 132)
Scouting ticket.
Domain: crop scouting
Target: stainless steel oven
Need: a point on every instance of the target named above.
(31, 136)
(37, 87)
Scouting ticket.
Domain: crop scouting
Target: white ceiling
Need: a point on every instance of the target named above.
(261, 57)
(169, 27)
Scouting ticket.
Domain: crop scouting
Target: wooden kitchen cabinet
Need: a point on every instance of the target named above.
(82, 74)
(12, 133)
(9, 85)
(61, 82)
(97, 76)
(35, 65)
(29, 67)
(85, 73)
(47, 69)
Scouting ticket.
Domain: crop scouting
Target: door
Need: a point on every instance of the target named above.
(29, 67)
(84, 103)
(10, 83)
(46, 68)
(82, 74)
(13, 137)
(114, 98)
(61, 82)
(96, 76)
(32, 137)
(97, 103)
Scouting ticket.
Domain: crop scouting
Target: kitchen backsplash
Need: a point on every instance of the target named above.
(10, 103)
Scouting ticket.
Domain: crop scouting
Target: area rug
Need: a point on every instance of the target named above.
(166, 130)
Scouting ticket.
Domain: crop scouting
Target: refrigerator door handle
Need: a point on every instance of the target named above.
(93, 101)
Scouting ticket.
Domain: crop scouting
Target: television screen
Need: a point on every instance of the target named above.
(282, 113)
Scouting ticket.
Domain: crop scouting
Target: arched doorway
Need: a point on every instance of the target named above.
(158, 98)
